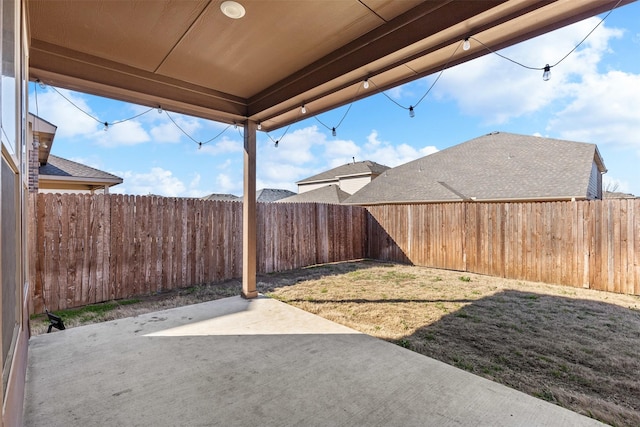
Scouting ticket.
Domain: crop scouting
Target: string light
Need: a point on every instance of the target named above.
(466, 45)
(365, 84)
(41, 84)
(412, 113)
(546, 70)
(259, 126)
(303, 110)
(333, 132)
(199, 145)
(275, 141)
(159, 109)
(106, 126)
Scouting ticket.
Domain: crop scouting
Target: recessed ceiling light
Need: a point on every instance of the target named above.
(232, 9)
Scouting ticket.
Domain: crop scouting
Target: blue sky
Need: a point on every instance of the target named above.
(593, 96)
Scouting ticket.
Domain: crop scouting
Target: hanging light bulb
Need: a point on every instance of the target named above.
(467, 44)
(106, 126)
(303, 110)
(333, 132)
(412, 113)
(276, 143)
(235, 125)
(159, 109)
(199, 145)
(259, 126)
(41, 84)
(365, 84)
(546, 75)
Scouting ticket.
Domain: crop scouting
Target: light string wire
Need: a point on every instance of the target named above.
(411, 107)
(276, 141)
(107, 124)
(344, 116)
(95, 118)
(200, 143)
(562, 59)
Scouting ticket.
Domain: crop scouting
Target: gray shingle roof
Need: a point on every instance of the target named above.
(272, 194)
(223, 197)
(331, 194)
(498, 166)
(355, 168)
(58, 166)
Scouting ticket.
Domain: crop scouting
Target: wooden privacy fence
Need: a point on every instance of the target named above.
(591, 244)
(94, 248)
(87, 249)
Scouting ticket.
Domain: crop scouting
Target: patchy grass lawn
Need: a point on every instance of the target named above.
(574, 347)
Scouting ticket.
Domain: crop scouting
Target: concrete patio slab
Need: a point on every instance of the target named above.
(236, 362)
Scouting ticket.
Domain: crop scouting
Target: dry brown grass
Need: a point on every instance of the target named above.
(575, 347)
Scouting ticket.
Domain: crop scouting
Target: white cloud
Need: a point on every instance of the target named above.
(340, 151)
(498, 90)
(225, 145)
(165, 132)
(386, 153)
(71, 122)
(610, 183)
(122, 134)
(603, 111)
(157, 181)
(227, 184)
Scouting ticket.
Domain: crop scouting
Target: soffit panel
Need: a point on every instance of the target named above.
(272, 41)
(389, 9)
(137, 33)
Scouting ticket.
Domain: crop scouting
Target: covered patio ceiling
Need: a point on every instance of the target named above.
(187, 56)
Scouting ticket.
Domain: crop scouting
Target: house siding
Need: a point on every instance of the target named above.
(594, 190)
(351, 185)
(303, 188)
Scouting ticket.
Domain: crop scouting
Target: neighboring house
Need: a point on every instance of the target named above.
(619, 195)
(349, 178)
(495, 167)
(225, 197)
(266, 195)
(61, 175)
(331, 194)
(53, 174)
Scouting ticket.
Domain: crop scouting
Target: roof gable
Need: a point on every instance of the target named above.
(365, 167)
(331, 194)
(61, 167)
(272, 194)
(498, 166)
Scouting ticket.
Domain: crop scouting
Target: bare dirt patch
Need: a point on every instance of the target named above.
(574, 347)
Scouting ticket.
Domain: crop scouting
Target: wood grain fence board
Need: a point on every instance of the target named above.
(148, 234)
(167, 274)
(629, 287)
(87, 249)
(620, 270)
(635, 258)
(93, 257)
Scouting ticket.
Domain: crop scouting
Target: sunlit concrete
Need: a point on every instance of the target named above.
(256, 362)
